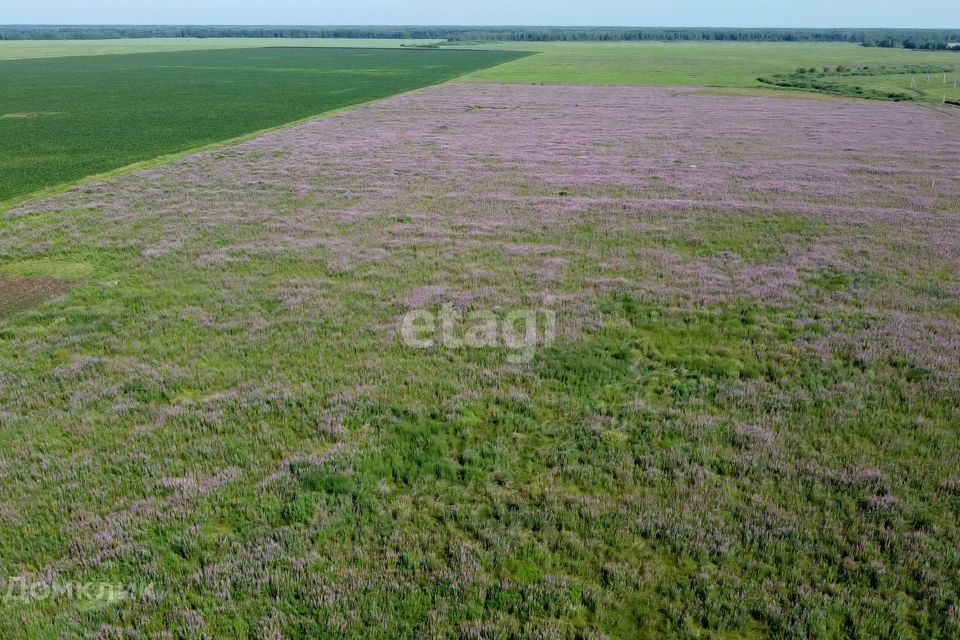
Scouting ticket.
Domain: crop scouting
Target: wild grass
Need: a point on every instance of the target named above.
(896, 83)
(746, 427)
(715, 64)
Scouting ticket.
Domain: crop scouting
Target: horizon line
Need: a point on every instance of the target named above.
(466, 25)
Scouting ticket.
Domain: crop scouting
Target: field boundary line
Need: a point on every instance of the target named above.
(170, 158)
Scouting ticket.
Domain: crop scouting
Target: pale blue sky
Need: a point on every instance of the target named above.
(743, 13)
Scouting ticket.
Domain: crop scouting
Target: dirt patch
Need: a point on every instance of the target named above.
(17, 294)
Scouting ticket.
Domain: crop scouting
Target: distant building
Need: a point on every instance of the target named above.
(953, 45)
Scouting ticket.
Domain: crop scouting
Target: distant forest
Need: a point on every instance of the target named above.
(930, 39)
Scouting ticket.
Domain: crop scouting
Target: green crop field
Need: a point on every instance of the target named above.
(16, 49)
(62, 119)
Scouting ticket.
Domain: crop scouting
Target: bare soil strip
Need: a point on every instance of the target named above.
(17, 294)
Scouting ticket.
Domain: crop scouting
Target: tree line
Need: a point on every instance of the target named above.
(930, 39)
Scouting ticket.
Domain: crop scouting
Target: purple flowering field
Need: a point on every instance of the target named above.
(745, 426)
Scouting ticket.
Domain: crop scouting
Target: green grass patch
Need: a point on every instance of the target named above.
(879, 82)
(716, 64)
(756, 238)
(38, 268)
(665, 355)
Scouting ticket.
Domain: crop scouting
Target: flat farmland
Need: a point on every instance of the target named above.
(19, 49)
(62, 119)
(701, 64)
(745, 427)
